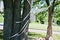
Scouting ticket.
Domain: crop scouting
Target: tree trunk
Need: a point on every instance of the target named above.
(50, 14)
(49, 28)
(8, 14)
(13, 21)
(17, 18)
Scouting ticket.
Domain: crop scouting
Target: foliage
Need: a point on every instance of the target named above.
(57, 2)
(56, 15)
(42, 4)
(40, 17)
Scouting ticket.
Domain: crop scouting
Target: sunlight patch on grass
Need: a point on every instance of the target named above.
(37, 26)
(1, 18)
(56, 37)
(36, 35)
(43, 26)
(43, 35)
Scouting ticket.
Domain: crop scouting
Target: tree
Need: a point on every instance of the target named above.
(15, 22)
(57, 13)
(50, 14)
(8, 11)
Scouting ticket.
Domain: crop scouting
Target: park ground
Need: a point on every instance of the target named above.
(38, 26)
(35, 35)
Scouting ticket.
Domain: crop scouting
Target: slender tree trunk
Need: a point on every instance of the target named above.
(50, 14)
(49, 28)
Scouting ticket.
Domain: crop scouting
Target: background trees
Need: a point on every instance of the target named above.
(51, 6)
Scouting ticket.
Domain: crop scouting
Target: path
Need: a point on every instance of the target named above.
(42, 31)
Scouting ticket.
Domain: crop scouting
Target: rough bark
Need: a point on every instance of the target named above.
(8, 14)
(17, 19)
(13, 21)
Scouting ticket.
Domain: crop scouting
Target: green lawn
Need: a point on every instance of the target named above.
(43, 35)
(43, 26)
(1, 18)
(35, 35)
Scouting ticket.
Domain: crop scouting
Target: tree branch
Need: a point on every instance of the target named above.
(47, 1)
(53, 5)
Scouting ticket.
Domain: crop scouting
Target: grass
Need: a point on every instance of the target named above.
(1, 35)
(35, 35)
(43, 26)
(1, 18)
(56, 37)
(38, 35)
(36, 25)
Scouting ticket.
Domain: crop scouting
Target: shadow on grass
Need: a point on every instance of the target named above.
(35, 35)
(1, 35)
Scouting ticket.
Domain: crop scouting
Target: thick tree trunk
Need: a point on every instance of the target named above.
(8, 14)
(13, 21)
(17, 19)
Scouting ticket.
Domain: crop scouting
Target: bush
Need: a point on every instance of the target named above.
(42, 22)
(58, 22)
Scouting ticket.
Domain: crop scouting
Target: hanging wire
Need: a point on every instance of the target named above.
(21, 31)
